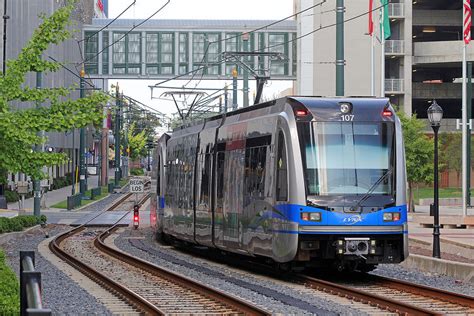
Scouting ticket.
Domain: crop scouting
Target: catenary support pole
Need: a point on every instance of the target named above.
(234, 89)
(36, 182)
(118, 109)
(82, 145)
(340, 48)
(5, 18)
(245, 74)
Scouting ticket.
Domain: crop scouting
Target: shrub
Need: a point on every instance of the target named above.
(11, 196)
(9, 289)
(137, 172)
(19, 222)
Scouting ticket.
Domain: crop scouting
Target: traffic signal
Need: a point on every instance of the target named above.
(136, 215)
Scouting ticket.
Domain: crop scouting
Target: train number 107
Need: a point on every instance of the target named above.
(347, 117)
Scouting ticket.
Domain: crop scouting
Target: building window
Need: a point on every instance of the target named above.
(183, 53)
(208, 59)
(159, 53)
(278, 42)
(91, 50)
(105, 53)
(127, 53)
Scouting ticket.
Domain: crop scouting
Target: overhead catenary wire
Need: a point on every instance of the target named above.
(275, 45)
(250, 32)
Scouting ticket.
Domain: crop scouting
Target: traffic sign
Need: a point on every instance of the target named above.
(136, 185)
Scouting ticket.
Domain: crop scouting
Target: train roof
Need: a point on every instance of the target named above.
(312, 103)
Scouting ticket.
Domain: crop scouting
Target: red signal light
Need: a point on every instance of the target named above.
(387, 113)
(135, 218)
(301, 112)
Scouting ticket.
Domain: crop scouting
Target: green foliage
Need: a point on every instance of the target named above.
(19, 222)
(9, 289)
(418, 154)
(136, 142)
(11, 196)
(450, 150)
(19, 128)
(418, 150)
(137, 172)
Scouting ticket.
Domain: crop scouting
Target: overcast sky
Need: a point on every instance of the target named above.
(199, 9)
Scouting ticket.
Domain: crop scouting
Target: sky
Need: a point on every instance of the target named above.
(199, 9)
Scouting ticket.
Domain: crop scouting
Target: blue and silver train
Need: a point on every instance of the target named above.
(303, 181)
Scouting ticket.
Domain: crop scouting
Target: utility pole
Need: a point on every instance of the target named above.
(340, 48)
(234, 89)
(104, 148)
(245, 40)
(225, 98)
(117, 136)
(82, 145)
(36, 182)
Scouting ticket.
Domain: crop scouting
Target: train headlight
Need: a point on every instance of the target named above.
(314, 217)
(391, 217)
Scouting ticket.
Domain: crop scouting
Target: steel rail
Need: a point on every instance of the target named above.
(217, 295)
(371, 299)
(131, 297)
(423, 290)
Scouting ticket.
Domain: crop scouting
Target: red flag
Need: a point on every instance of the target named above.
(371, 20)
(467, 21)
(100, 5)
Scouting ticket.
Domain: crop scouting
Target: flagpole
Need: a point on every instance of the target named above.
(464, 132)
(382, 64)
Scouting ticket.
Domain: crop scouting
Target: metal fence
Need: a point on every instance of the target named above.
(31, 302)
(394, 47)
(394, 86)
(396, 10)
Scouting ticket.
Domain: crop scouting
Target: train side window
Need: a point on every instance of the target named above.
(254, 181)
(158, 177)
(282, 170)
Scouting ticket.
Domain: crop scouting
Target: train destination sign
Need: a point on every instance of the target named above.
(136, 185)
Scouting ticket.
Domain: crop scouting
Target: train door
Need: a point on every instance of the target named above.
(219, 196)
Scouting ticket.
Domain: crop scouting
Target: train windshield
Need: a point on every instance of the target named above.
(348, 158)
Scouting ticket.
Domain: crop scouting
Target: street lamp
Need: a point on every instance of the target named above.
(435, 114)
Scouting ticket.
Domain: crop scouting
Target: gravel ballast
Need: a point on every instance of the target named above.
(274, 295)
(60, 293)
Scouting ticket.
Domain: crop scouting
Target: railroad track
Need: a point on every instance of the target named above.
(144, 287)
(396, 296)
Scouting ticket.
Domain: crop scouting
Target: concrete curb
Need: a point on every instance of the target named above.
(6, 237)
(457, 270)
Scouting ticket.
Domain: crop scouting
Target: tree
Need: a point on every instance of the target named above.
(418, 153)
(450, 152)
(136, 142)
(19, 128)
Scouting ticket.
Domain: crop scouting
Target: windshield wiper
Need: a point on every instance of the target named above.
(371, 189)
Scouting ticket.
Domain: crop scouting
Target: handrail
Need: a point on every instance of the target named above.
(31, 302)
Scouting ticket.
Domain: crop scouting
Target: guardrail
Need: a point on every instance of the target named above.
(394, 47)
(31, 302)
(396, 10)
(394, 86)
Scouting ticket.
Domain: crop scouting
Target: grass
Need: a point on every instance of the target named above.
(426, 193)
(104, 193)
(63, 204)
(9, 289)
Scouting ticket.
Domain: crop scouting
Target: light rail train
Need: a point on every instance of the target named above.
(303, 181)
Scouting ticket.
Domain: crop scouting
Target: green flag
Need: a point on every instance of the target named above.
(384, 20)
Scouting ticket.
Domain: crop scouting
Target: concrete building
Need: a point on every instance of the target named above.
(422, 57)
(23, 20)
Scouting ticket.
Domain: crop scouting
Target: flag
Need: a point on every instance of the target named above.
(467, 21)
(100, 5)
(371, 20)
(384, 20)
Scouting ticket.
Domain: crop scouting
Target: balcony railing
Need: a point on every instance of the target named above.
(394, 47)
(394, 86)
(396, 10)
